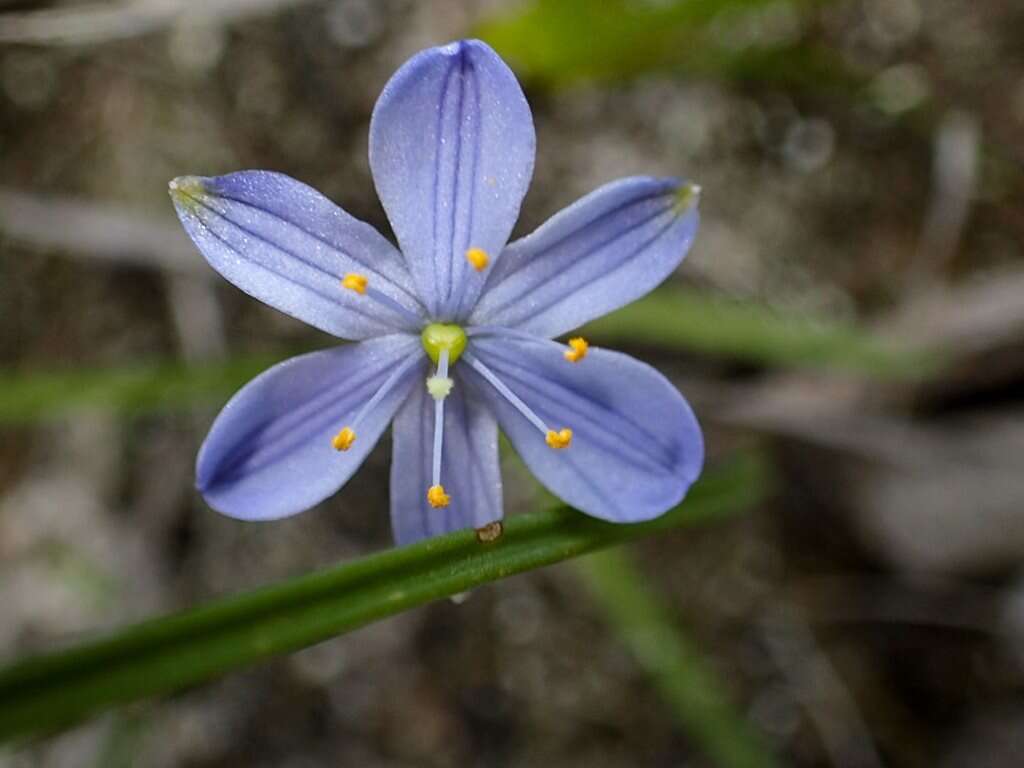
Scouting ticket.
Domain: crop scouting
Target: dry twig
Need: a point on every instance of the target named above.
(103, 22)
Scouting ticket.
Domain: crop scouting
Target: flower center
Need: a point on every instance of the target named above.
(442, 336)
(445, 343)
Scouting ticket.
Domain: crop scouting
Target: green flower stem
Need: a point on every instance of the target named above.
(45, 693)
(682, 675)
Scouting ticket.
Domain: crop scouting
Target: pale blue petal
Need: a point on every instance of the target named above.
(636, 446)
(602, 252)
(470, 472)
(451, 150)
(289, 246)
(269, 453)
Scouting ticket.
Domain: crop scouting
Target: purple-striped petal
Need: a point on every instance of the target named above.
(451, 150)
(470, 472)
(636, 445)
(269, 453)
(602, 252)
(289, 246)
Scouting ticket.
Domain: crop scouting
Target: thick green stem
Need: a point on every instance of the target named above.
(45, 693)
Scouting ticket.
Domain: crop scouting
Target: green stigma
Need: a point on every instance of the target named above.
(438, 336)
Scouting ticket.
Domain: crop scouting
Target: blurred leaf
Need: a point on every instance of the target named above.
(561, 41)
(670, 319)
(28, 397)
(692, 321)
(677, 668)
(167, 654)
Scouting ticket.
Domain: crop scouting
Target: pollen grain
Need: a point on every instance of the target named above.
(437, 497)
(559, 439)
(355, 282)
(344, 439)
(578, 347)
(478, 258)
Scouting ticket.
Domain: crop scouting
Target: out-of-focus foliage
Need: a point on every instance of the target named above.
(675, 665)
(561, 41)
(29, 397)
(688, 320)
(669, 320)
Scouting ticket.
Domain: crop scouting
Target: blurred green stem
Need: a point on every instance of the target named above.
(696, 321)
(670, 319)
(677, 668)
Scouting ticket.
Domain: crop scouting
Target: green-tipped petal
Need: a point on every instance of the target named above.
(601, 253)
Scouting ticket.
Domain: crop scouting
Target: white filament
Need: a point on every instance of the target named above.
(507, 393)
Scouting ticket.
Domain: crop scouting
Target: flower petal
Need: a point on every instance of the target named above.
(451, 150)
(269, 453)
(289, 246)
(469, 466)
(602, 252)
(636, 446)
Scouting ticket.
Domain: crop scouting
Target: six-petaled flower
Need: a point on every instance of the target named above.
(454, 330)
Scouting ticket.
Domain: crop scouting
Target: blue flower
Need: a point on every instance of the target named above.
(455, 330)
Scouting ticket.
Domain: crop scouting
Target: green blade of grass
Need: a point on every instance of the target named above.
(45, 693)
(677, 668)
(32, 396)
(672, 319)
(686, 320)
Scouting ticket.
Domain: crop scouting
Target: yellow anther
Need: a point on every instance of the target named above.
(560, 439)
(478, 258)
(355, 282)
(437, 497)
(577, 349)
(344, 439)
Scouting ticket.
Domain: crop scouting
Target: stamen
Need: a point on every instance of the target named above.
(397, 375)
(435, 494)
(577, 349)
(478, 258)
(437, 497)
(361, 285)
(344, 439)
(556, 439)
(355, 282)
(560, 439)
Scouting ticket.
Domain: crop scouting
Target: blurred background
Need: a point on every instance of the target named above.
(852, 314)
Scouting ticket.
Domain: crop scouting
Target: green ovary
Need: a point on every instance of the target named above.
(439, 336)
